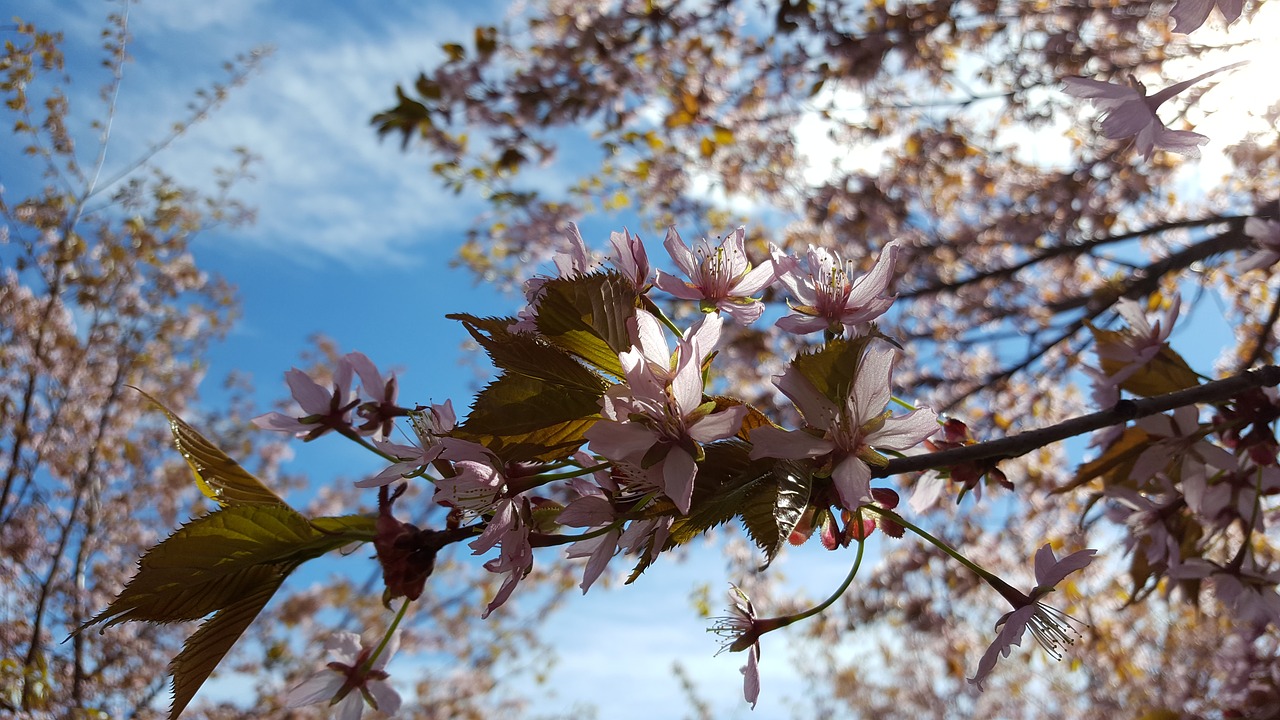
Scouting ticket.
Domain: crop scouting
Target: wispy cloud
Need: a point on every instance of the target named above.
(326, 185)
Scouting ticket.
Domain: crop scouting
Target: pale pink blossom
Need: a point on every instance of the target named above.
(1048, 625)
(1179, 450)
(851, 430)
(630, 257)
(740, 632)
(657, 420)
(1131, 113)
(722, 278)
(1247, 588)
(1130, 351)
(509, 529)
(474, 487)
(323, 409)
(572, 262)
(345, 683)
(591, 509)
(431, 427)
(379, 410)
(1191, 14)
(827, 295)
(1266, 236)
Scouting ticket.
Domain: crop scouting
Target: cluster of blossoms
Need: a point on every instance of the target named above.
(648, 436)
(632, 473)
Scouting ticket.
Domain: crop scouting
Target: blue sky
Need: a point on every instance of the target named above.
(352, 241)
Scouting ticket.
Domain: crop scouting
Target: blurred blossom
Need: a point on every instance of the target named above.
(1131, 113)
(1266, 236)
(345, 683)
(1124, 353)
(1189, 15)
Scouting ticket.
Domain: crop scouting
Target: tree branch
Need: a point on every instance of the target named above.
(1123, 412)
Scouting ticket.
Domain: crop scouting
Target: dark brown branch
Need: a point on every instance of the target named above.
(1060, 250)
(1260, 341)
(1124, 411)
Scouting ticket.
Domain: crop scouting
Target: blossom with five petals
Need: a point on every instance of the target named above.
(1131, 113)
(829, 299)
(1048, 625)
(850, 429)
(722, 278)
(657, 421)
(325, 409)
(349, 681)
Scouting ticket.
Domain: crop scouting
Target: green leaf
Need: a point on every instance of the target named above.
(527, 355)
(588, 317)
(227, 563)
(833, 367)
(353, 528)
(214, 559)
(202, 652)
(522, 418)
(771, 530)
(219, 477)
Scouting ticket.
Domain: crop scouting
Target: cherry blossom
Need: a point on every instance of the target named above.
(1049, 626)
(380, 410)
(1124, 353)
(591, 509)
(324, 409)
(827, 296)
(721, 276)
(431, 428)
(851, 430)
(1244, 586)
(348, 680)
(1131, 113)
(1180, 451)
(630, 257)
(571, 262)
(1266, 235)
(509, 529)
(658, 419)
(740, 632)
(1191, 14)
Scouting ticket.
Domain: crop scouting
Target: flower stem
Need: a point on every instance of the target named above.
(387, 636)
(955, 555)
(781, 622)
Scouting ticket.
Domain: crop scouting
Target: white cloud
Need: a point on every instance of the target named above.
(326, 184)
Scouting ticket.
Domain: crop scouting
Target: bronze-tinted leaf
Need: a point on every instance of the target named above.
(218, 476)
